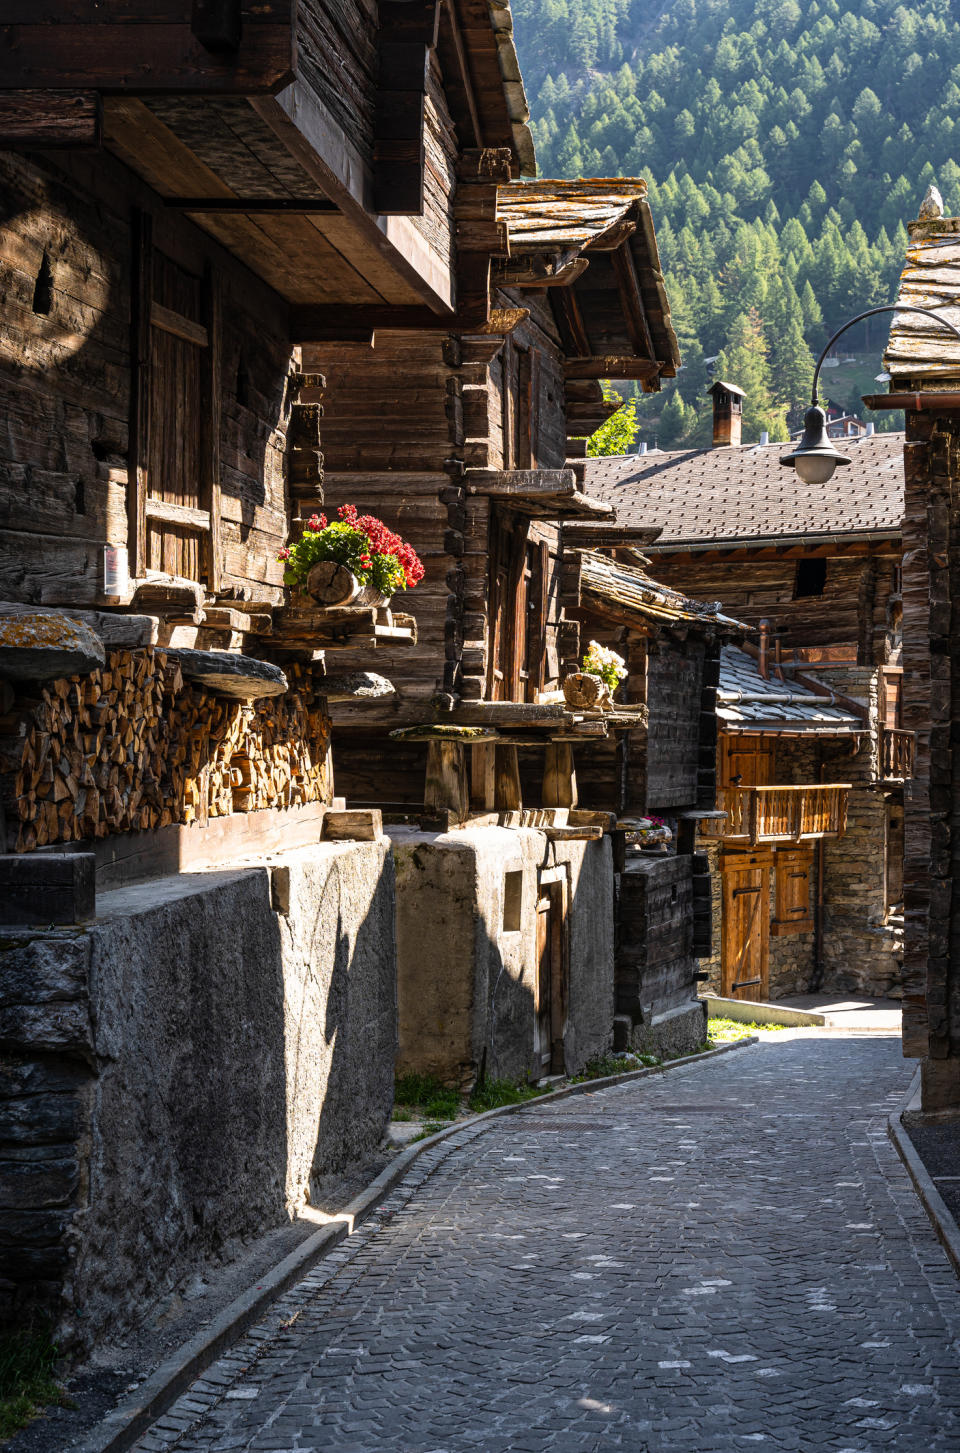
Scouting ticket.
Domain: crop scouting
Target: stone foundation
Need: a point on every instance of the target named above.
(178, 1073)
(675, 1031)
(467, 951)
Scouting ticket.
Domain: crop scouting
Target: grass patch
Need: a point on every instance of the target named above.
(493, 1093)
(602, 1065)
(722, 1031)
(428, 1096)
(27, 1383)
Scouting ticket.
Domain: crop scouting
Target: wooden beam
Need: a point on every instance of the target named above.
(159, 54)
(609, 366)
(212, 206)
(141, 295)
(174, 514)
(42, 120)
(529, 483)
(541, 270)
(634, 311)
(170, 322)
(407, 35)
(458, 81)
(325, 322)
(569, 319)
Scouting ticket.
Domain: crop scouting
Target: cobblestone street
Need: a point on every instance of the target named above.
(725, 1257)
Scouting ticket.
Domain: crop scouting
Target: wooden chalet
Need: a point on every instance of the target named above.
(813, 754)
(923, 362)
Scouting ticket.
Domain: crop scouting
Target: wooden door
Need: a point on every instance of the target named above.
(745, 928)
(746, 761)
(551, 988)
(519, 583)
(794, 878)
(174, 496)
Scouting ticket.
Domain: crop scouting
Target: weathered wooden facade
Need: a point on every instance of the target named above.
(923, 361)
(190, 193)
(813, 754)
(259, 259)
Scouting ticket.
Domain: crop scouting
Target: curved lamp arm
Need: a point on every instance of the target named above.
(885, 308)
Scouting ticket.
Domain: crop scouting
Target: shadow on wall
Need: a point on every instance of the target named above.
(207, 1049)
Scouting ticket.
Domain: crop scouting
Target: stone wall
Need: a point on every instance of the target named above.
(177, 1074)
(467, 950)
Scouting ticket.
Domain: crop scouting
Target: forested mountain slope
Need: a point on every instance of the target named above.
(785, 142)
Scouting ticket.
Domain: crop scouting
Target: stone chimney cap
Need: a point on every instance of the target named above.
(731, 388)
(931, 206)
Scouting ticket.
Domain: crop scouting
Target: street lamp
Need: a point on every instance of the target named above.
(815, 458)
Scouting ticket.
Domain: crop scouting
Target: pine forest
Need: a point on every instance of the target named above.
(784, 143)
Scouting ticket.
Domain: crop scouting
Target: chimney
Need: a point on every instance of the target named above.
(763, 664)
(870, 430)
(727, 413)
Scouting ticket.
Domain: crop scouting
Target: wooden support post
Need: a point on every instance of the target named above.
(559, 776)
(507, 794)
(483, 775)
(446, 788)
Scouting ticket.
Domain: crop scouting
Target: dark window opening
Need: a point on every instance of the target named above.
(79, 496)
(243, 384)
(43, 288)
(810, 579)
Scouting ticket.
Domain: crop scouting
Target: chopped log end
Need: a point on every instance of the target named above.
(329, 583)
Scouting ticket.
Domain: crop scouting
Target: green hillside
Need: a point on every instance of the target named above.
(785, 142)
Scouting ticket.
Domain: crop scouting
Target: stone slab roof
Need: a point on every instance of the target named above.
(747, 700)
(745, 494)
(631, 589)
(917, 347)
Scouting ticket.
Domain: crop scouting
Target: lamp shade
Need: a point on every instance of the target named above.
(814, 458)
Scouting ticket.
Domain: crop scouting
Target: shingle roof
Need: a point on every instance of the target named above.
(747, 700)
(579, 219)
(918, 348)
(745, 493)
(632, 590)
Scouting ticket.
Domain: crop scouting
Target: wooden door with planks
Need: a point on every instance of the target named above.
(519, 603)
(745, 929)
(174, 499)
(551, 982)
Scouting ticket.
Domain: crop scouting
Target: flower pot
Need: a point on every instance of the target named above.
(370, 595)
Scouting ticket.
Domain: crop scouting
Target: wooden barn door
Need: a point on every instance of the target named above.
(551, 990)
(745, 936)
(174, 503)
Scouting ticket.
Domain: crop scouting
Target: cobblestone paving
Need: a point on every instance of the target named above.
(725, 1257)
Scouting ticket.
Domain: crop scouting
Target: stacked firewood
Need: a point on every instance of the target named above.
(133, 747)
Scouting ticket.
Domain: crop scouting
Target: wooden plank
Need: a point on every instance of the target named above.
(141, 296)
(212, 422)
(634, 312)
(176, 514)
(157, 57)
(446, 787)
(179, 326)
(211, 206)
(610, 366)
(42, 120)
(359, 825)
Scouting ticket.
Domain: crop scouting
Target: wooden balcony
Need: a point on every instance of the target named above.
(897, 750)
(780, 814)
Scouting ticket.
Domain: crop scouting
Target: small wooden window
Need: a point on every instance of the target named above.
(811, 578)
(794, 875)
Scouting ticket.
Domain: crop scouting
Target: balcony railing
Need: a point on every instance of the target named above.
(896, 754)
(782, 814)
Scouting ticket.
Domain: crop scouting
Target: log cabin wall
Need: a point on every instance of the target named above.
(674, 687)
(854, 608)
(66, 251)
(130, 747)
(931, 586)
(337, 55)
